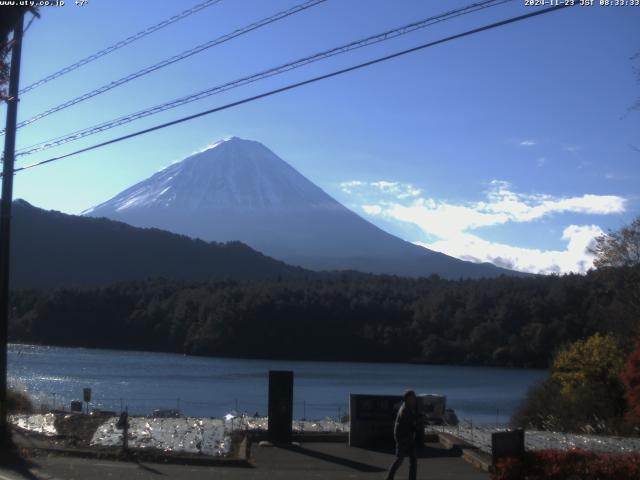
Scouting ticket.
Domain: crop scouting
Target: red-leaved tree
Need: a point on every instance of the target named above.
(631, 380)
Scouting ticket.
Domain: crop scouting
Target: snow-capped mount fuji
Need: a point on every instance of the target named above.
(240, 190)
(230, 174)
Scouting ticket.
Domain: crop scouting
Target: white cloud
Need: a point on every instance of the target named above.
(452, 224)
(574, 258)
(397, 190)
(573, 148)
(372, 209)
(616, 176)
(527, 143)
(349, 187)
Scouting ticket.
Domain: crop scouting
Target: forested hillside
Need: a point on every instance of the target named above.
(52, 249)
(505, 321)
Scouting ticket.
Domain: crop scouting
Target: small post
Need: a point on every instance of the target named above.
(86, 396)
(178, 404)
(123, 424)
(508, 444)
(125, 434)
(304, 410)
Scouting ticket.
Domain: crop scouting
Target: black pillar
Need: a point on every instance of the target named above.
(280, 406)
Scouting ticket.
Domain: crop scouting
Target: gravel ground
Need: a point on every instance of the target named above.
(42, 423)
(212, 436)
(207, 436)
(261, 423)
(179, 435)
(538, 440)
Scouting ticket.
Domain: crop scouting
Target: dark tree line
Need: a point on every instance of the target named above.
(503, 321)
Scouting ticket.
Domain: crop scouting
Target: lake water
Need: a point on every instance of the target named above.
(213, 387)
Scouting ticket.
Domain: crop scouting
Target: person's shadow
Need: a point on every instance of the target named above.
(345, 462)
(422, 451)
(20, 466)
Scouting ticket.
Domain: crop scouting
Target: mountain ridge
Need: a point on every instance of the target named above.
(54, 249)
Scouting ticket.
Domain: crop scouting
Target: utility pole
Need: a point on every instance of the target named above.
(5, 221)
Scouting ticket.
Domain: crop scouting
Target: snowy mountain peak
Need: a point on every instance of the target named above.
(230, 173)
(247, 144)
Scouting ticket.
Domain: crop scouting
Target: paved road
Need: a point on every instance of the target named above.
(321, 461)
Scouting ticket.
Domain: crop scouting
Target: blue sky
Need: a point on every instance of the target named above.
(513, 146)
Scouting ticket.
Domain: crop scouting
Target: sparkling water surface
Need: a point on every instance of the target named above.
(214, 387)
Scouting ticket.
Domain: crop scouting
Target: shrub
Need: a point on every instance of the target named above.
(18, 402)
(543, 408)
(561, 465)
(584, 392)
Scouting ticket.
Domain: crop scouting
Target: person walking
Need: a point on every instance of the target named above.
(404, 433)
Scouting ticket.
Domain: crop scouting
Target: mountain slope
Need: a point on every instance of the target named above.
(52, 249)
(240, 190)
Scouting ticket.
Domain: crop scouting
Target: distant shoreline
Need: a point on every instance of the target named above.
(260, 359)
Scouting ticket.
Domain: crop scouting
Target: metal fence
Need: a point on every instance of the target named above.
(237, 407)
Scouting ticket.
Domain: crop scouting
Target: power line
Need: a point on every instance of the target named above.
(120, 44)
(373, 39)
(292, 86)
(176, 58)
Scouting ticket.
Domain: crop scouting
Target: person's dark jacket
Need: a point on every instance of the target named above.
(404, 430)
